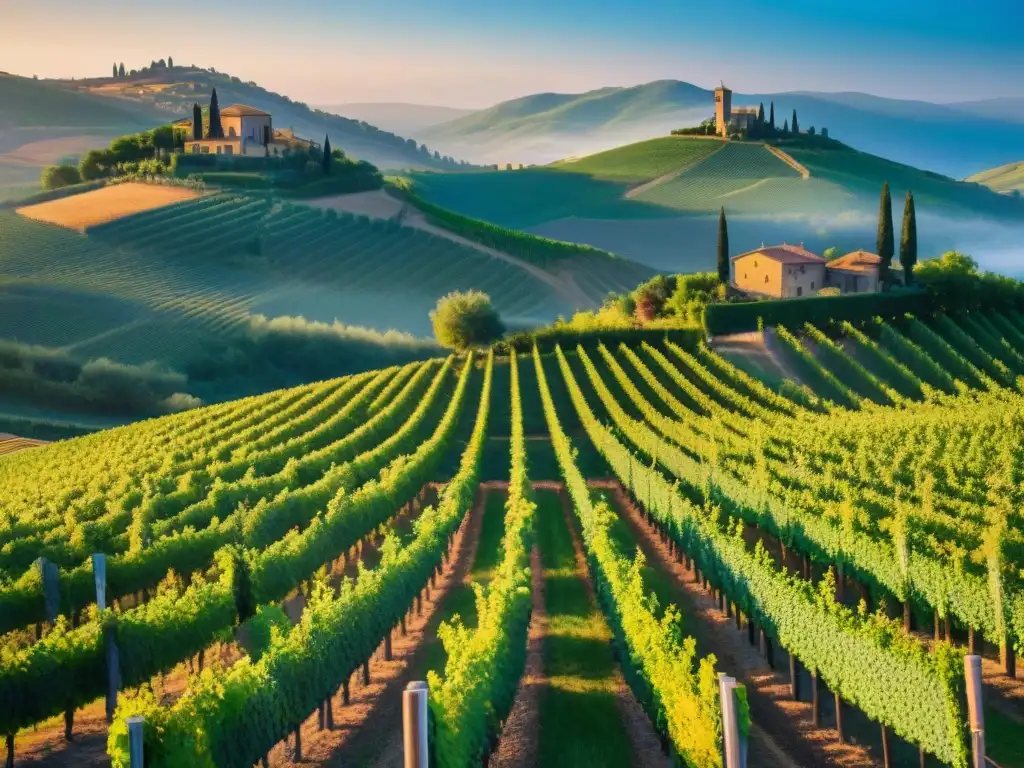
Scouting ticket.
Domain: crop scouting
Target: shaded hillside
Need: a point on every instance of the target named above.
(1005, 178)
(403, 119)
(173, 91)
(943, 138)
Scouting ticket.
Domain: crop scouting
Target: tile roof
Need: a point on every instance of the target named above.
(241, 110)
(857, 261)
(785, 254)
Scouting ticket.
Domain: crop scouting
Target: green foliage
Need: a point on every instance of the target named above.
(908, 240)
(855, 307)
(885, 245)
(465, 320)
(56, 176)
(724, 270)
(475, 693)
(676, 688)
(265, 630)
(642, 161)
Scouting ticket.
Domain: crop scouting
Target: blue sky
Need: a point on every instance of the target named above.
(473, 54)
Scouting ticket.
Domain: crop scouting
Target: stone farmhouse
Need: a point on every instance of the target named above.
(790, 271)
(248, 132)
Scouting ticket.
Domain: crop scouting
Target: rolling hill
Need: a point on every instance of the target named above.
(397, 117)
(50, 121)
(1006, 178)
(542, 128)
(655, 201)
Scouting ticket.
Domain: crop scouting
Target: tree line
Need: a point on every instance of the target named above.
(118, 70)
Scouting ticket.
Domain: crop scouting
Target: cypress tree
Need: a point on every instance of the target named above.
(908, 239)
(760, 114)
(723, 248)
(327, 154)
(796, 125)
(170, 62)
(115, 70)
(197, 122)
(886, 245)
(216, 130)
(785, 126)
(120, 70)
(771, 118)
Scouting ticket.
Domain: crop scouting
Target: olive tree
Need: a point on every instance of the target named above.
(465, 319)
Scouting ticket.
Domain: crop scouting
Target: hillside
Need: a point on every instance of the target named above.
(403, 119)
(319, 536)
(175, 90)
(654, 201)
(1005, 178)
(545, 127)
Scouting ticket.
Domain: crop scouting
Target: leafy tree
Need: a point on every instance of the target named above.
(437, 155)
(170, 62)
(810, 131)
(120, 70)
(161, 64)
(830, 254)
(327, 155)
(824, 133)
(760, 114)
(465, 319)
(508, 166)
(95, 164)
(56, 176)
(216, 130)
(796, 125)
(885, 244)
(771, 117)
(723, 248)
(908, 239)
(197, 122)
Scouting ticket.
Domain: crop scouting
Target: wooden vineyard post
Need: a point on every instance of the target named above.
(815, 700)
(976, 715)
(839, 718)
(414, 725)
(135, 726)
(794, 677)
(886, 751)
(99, 571)
(735, 747)
(1006, 656)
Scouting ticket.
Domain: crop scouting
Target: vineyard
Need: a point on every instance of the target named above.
(157, 285)
(569, 548)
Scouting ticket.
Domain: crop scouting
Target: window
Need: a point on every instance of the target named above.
(799, 290)
(206, 150)
(766, 278)
(802, 270)
(812, 285)
(744, 275)
(755, 263)
(231, 132)
(195, 149)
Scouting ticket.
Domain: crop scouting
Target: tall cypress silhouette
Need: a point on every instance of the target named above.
(216, 131)
(197, 122)
(115, 70)
(908, 239)
(771, 117)
(796, 125)
(327, 154)
(760, 114)
(886, 244)
(723, 248)
(120, 70)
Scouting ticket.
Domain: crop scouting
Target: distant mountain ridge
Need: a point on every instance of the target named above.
(398, 117)
(540, 128)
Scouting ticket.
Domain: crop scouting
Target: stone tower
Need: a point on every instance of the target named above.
(723, 109)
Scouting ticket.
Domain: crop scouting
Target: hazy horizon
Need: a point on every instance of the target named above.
(467, 55)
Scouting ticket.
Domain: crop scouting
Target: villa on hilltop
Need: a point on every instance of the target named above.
(729, 120)
(248, 131)
(789, 271)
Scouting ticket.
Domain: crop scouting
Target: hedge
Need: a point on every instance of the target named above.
(546, 339)
(817, 310)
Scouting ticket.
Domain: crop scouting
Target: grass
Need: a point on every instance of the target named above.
(460, 600)
(1002, 739)
(1005, 178)
(644, 160)
(579, 714)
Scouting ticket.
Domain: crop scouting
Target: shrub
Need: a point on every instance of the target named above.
(56, 176)
(465, 319)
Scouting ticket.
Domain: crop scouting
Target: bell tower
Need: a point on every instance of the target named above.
(723, 109)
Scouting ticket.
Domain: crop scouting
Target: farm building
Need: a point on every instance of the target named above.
(781, 271)
(247, 131)
(787, 271)
(856, 272)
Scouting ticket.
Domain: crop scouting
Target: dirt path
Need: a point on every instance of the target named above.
(368, 731)
(789, 160)
(519, 744)
(782, 733)
(379, 204)
(647, 751)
